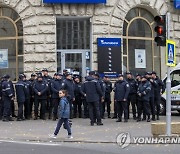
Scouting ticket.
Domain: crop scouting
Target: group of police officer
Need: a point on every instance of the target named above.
(143, 93)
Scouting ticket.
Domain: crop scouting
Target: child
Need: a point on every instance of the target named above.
(64, 113)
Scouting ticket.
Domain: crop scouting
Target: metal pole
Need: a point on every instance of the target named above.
(168, 87)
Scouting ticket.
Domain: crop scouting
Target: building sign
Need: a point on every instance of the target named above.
(3, 58)
(140, 58)
(109, 56)
(177, 4)
(75, 1)
(170, 53)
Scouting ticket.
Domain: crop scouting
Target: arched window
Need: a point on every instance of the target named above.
(11, 43)
(139, 51)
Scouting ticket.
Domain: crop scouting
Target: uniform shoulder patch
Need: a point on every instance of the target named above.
(127, 85)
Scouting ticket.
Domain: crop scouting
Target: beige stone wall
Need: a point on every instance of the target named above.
(39, 22)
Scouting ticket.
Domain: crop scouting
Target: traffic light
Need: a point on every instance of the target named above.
(160, 30)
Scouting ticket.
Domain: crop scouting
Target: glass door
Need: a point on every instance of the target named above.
(74, 62)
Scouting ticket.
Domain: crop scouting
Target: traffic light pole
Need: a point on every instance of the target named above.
(168, 86)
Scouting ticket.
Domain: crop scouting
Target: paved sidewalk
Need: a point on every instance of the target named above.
(39, 130)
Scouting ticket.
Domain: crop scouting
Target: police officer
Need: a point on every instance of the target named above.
(153, 87)
(40, 89)
(56, 86)
(12, 101)
(68, 85)
(92, 91)
(47, 78)
(159, 89)
(27, 105)
(103, 87)
(32, 81)
(121, 92)
(132, 94)
(1, 102)
(143, 92)
(7, 97)
(78, 97)
(107, 98)
(21, 96)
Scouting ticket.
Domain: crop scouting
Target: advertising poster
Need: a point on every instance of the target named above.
(3, 58)
(140, 58)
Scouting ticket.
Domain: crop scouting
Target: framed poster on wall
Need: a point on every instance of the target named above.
(3, 58)
(140, 58)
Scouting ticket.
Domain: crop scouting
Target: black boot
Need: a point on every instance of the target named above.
(153, 118)
(157, 117)
(148, 119)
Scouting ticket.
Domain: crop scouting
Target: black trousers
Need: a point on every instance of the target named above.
(122, 106)
(152, 105)
(157, 100)
(86, 109)
(27, 112)
(115, 108)
(31, 105)
(106, 104)
(94, 107)
(132, 101)
(1, 109)
(143, 106)
(12, 108)
(7, 107)
(43, 107)
(55, 103)
(77, 106)
(20, 110)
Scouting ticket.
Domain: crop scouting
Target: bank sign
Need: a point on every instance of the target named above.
(177, 4)
(109, 56)
(75, 1)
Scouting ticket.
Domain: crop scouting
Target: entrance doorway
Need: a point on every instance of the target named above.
(76, 62)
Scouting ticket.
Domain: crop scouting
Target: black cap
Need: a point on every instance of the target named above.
(120, 75)
(64, 70)
(106, 76)
(6, 76)
(138, 74)
(45, 70)
(97, 74)
(21, 76)
(55, 74)
(33, 75)
(39, 75)
(153, 72)
(59, 74)
(92, 73)
(67, 74)
(148, 73)
(128, 73)
(143, 76)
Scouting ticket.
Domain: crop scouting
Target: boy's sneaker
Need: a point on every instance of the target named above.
(69, 137)
(53, 136)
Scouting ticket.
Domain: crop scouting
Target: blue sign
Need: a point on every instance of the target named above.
(170, 53)
(177, 4)
(109, 42)
(75, 1)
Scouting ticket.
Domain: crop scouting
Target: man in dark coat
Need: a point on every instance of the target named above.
(121, 92)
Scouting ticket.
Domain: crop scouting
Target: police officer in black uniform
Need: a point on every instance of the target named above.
(143, 92)
(7, 97)
(159, 89)
(121, 92)
(32, 81)
(56, 86)
(12, 101)
(47, 78)
(107, 98)
(92, 91)
(40, 90)
(1, 102)
(132, 94)
(153, 87)
(27, 105)
(68, 85)
(103, 87)
(21, 96)
(78, 97)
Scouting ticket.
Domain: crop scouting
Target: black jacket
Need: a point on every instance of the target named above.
(77, 90)
(159, 88)
(144, 90)
(69, 86)
(20, 91)
(27, 89)
(108, 89)
(133, 86)
(56, 86)
(92, 89)
(42, 87)
(121, 89)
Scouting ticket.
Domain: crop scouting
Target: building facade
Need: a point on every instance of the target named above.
(36, 35)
